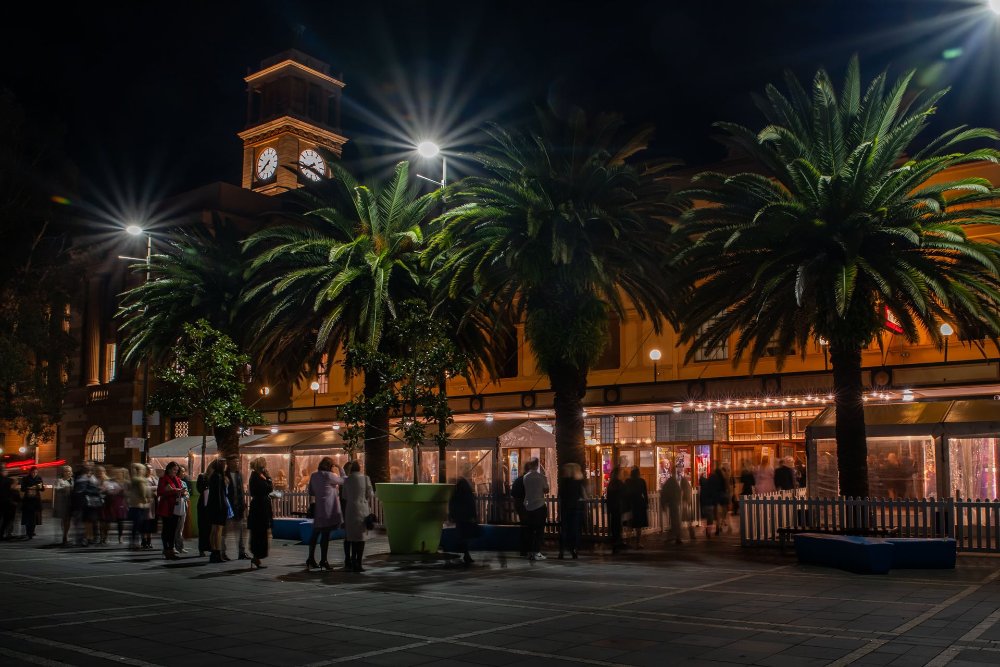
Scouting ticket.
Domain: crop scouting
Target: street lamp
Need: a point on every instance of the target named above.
(136, 230)
(655, 355)
(315, 387)
(429, 149)
(947, 331)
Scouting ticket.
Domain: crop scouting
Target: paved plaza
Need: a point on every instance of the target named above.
(705, 604)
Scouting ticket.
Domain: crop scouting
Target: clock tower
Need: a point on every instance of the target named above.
(293, 109)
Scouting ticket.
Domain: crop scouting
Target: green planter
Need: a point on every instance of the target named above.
(413, 515)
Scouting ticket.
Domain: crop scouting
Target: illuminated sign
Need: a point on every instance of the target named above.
(891, 322)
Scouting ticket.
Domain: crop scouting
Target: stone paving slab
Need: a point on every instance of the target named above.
(701, 604)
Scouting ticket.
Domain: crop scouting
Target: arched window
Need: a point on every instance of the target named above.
(95, 445)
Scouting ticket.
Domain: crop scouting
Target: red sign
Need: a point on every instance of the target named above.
(891, 322)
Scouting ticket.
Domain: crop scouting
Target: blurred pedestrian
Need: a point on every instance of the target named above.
(706, 500)
(637, 494)
(259, 514)
(763, 477)
(784, 475)
(101, 475)
(723, 497)
(61, 492)
(88, 505)
(687, 504)
(115, 508)
(614, 499)
(235, 525)
(670, 504)
(203, 521)
(572, 496)
(462, 510)
(9, 498)
(517, 497)
(139, 500)
(31, 501)
(169, 496)
(536, 485)
(217, 507)
(358, 496)
(185, 509)
(149, 526)
(324, 486)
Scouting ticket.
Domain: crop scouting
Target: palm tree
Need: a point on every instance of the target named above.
(332, 278)
(197, 276)
(565, 230)
(840, 219)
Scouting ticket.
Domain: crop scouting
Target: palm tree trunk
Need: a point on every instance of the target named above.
(376, 435)
(569, 385)
(227, 439)
(852, 447)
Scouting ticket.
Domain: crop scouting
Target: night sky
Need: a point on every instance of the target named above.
(151, 93)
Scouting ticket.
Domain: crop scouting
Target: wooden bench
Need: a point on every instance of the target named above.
(785, 533)
(862, 555)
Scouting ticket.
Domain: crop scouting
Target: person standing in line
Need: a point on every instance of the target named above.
(89, 504)
(170, 493)
(784, 475)
(763, 477)
(706, 500)
(61, 492)
(237, 502)
(723, 498)
(638, 500)
(324, 485)
(670, 504)
(358, 495)
(801, 475)
(614, 498)
(101, 475)
(217, 508)
(259, 514)
(572, 494)
(517, 495)
(462, 510)
(31, 502)
(149, 527)
(185, 508)
(115, 507)
(204, 523)
(687, 504)
(536, 485)
(746, 483)
(139, 500)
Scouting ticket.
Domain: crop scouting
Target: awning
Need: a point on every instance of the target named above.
(181, 446)
(278, 443)
(934, 418)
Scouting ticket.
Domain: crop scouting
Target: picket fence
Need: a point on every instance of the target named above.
(500, 509)
(974, 524)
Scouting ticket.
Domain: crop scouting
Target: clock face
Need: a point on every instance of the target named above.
(267, 163)
(312, 165)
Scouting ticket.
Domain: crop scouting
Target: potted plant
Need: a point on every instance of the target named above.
(413, 361)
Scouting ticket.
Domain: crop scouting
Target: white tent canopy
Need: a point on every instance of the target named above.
(182, 446)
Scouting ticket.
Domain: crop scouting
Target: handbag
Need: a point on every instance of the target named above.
(311, 512)
(93, 501)
(370, 521)
(180, 507)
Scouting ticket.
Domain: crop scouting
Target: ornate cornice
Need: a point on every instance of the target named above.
(291, 63)
(288, 125)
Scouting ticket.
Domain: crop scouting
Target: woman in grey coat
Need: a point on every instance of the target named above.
(358, 496)
(324, 486)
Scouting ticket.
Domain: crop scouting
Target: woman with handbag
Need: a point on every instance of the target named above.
(324, 486)
(170, 492)
(358, 495)
(259, 514)
(115, 508)
(88, 504)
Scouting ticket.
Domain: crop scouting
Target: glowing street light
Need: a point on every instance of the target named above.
(946, 329)
(429, 149)
(654, 356)
(135, 230)
(314, 385)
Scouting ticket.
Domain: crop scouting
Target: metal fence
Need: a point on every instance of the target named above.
(974, 524)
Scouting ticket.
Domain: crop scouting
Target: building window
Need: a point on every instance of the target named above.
(95, 445)
(612, 356)
(110, 361)
(180, 428)
(323, 376)
(706, 353)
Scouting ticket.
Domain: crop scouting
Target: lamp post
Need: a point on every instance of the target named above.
(946, 331)
(136, 230)
(655, 355)
(823, 343)
(429, 149)
(315, 387)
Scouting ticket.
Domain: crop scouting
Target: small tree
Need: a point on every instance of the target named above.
(421, 357)
(205, 378)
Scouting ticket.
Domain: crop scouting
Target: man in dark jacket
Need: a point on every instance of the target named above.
(517, 494)
(237, 500)
(784, 476)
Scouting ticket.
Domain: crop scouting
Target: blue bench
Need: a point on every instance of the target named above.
(285, 528)
(924, 552)
(306, 527)
(863, 555)
(491, 538)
